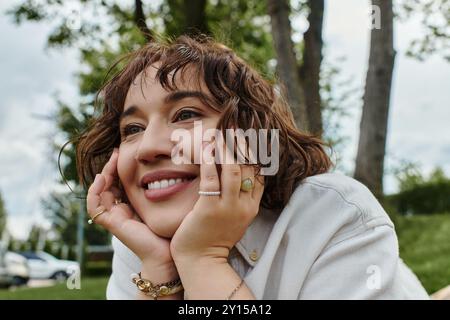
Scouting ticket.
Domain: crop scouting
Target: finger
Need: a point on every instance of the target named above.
(258, 189)
(110, 199)
(209, 178)
(110, 169)
(107, 199)
(93, 199)
(247, 172)
(230, 176)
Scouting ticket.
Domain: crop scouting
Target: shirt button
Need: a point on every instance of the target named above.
(254, 255)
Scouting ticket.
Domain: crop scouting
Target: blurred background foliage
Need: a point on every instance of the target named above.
(421, 194)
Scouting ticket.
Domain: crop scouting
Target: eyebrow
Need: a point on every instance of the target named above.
(182, 94)
(128, 113)
(172, 97)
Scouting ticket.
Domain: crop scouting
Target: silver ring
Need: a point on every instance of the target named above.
(209, 193)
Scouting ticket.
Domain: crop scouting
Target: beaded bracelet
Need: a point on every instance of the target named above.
(236, 289)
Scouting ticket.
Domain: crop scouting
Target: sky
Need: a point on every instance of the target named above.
(31, 77)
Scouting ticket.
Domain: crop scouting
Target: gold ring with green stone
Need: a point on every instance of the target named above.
(247, 185)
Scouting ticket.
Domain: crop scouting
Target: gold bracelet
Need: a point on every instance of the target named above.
(157, 290)
(236, 289)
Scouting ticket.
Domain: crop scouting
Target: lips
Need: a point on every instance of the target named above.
(165, 175)
(160, 185)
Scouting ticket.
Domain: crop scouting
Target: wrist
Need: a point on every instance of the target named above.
(209, 256)
(208, 278)
(159, 274)
(181, 252)
(197, 264)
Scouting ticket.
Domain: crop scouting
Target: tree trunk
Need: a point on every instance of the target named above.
(139, 19)
(310, 69)
(195, 17)
(286, 61)
(373, 128)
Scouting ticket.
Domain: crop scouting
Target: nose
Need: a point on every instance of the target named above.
(155, 144)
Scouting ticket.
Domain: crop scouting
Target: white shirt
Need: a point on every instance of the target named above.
(333, 240)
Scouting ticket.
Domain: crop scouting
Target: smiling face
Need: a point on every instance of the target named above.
(160, 191)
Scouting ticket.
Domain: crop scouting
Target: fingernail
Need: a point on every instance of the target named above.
(96, 177)
(116, 150)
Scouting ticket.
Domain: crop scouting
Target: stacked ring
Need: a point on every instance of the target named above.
(209, 193)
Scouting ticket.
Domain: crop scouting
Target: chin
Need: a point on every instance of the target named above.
(164, 220)
(164, 224)
(166, 231)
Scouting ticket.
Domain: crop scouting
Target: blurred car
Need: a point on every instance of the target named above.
(14, 270)
(45, 266)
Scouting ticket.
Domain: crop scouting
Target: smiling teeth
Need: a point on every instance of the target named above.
(161, 184)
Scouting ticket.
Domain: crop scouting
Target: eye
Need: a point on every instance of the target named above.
(186, 115)
(130, 129)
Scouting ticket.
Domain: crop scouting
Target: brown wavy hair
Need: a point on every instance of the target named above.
(244, 98)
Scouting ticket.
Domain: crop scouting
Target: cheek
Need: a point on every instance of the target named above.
(196, 140)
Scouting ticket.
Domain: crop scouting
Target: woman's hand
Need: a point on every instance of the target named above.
(216, 223)
(121, 220)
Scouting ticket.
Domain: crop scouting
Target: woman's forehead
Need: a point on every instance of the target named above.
(186, 79)
(146, 86)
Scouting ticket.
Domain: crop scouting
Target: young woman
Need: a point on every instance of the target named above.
(225, 231)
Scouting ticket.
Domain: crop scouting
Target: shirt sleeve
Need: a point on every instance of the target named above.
(124, 264)
(363, 266)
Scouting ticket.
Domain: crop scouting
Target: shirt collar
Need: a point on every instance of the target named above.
(255, 237)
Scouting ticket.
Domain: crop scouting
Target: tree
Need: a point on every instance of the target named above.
(139, 19)
(287, 61)
(436, 40)
(240, 24)
(301, 76)
(2, 216)
(373, 128)
(435, 20)
(63, 214)
(311, 67)
(185, 17)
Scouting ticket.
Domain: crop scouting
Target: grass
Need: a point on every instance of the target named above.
(91, 289)
(425, 247)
